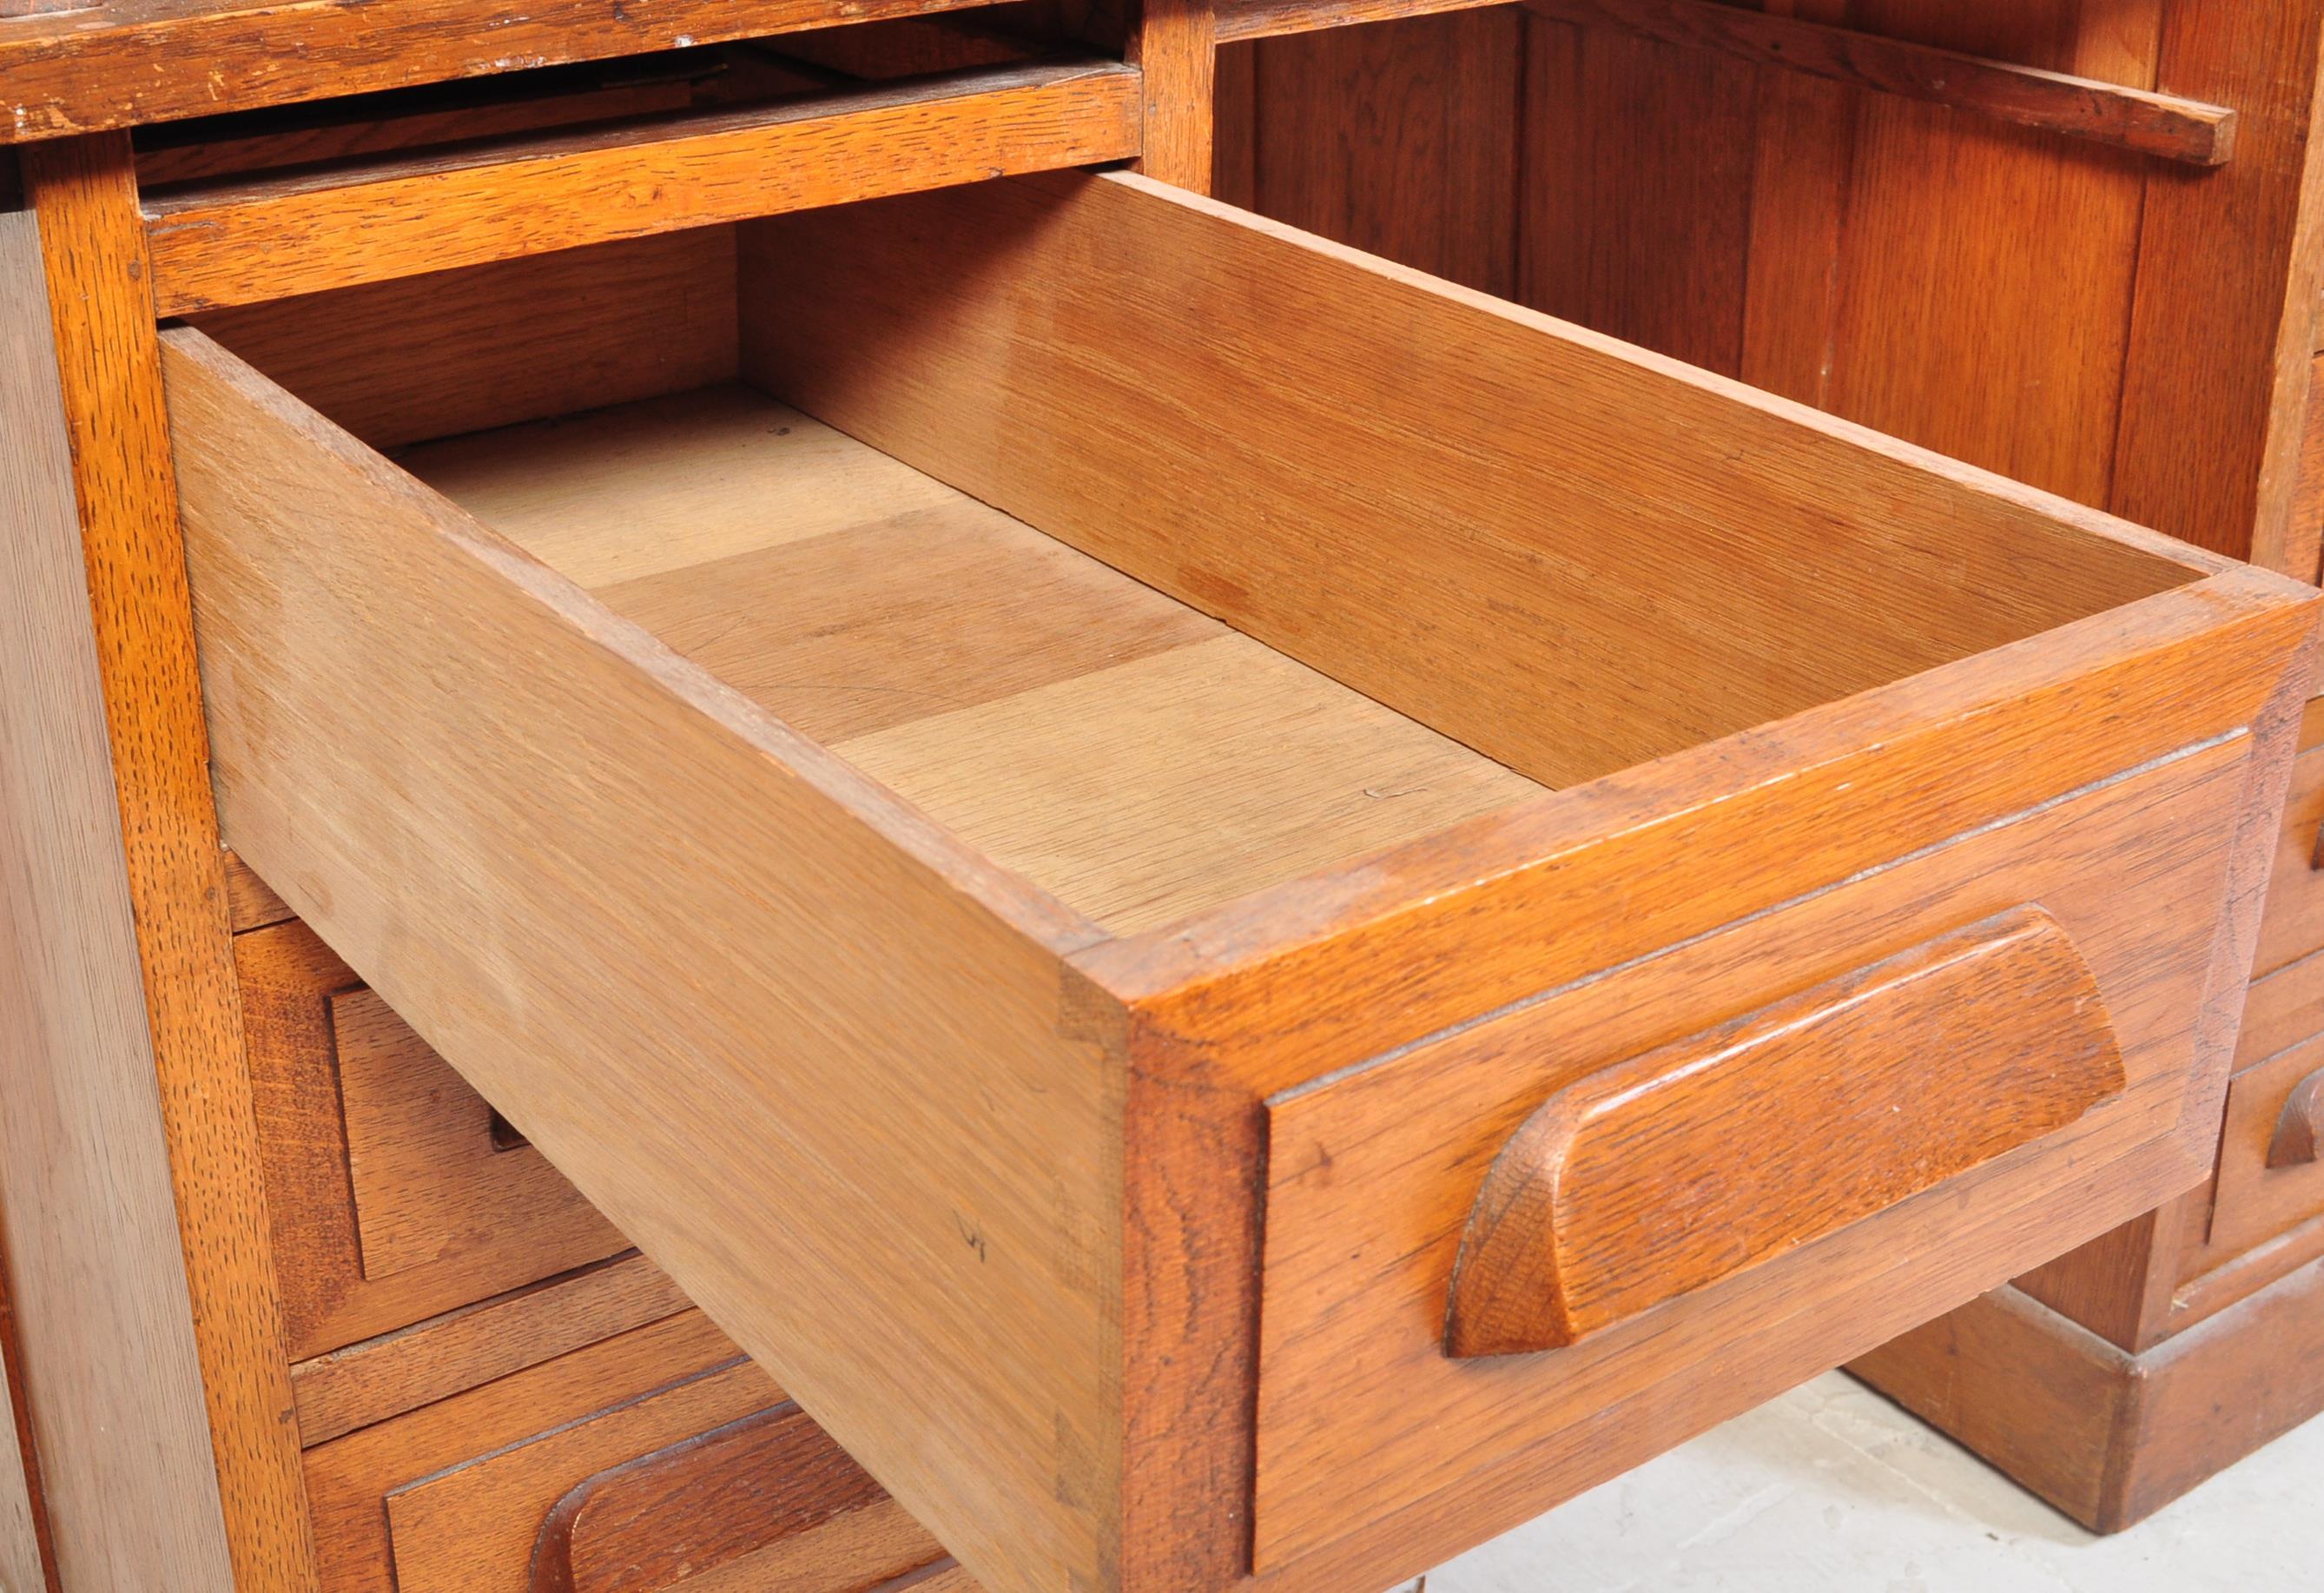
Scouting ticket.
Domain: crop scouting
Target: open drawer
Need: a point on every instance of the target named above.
(1248, 914)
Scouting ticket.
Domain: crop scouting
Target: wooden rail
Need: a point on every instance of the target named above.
(2164, 126)
(100, 65)
(248, 240)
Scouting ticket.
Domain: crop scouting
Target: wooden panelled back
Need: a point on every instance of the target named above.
(2029, 303)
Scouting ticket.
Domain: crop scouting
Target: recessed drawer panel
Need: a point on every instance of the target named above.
(2294, 924)
(2271, 1152)
(394, 1192)
(454, 1494)
(766, 1503)
(656, 1461)
(1121, 719)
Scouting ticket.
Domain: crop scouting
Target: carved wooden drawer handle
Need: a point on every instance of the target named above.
(2299, 1129)
(1688, 1164)
(708, 1502)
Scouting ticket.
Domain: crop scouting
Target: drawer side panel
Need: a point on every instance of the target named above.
(824, 1069)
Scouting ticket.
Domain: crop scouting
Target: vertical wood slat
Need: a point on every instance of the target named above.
(1234, 126)
(1173, 45)
(95, 1279)
(2210, 453)
(1398, 137)
(1804, 151)
(108, 368)
(1636, 204)
(1987, 271)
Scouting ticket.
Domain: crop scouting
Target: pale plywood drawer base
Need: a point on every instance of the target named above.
(1032, 825)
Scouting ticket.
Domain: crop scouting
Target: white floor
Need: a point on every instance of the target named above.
(1831, 1489)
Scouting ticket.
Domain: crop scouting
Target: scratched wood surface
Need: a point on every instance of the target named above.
(123, 63)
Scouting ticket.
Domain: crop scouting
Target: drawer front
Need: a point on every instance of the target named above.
(1659, 1195)
(394, 1192)
(2271, 1175)
(454, 1494)
(765, 1505)
(2283, 1008)
(657, 1459)
(2294, 923)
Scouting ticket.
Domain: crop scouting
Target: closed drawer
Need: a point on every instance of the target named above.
(1158, 859)
(457, 1494)
(659, 1458)
(768, 1501)
(2294, 923)
(394, 1192)
(2271, 1176)
(2283, 1008)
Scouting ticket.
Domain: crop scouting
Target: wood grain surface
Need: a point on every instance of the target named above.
(768, 1501)
(312, 228)
(608, 1402)
(2162, 125)
(2111, 1438)
(2038, 1395)
(2221, 342)
(507, 342)
(27, 1554)
(992, 1292)
(429, 1178)
(250, 901)
(2283, 1008)
(93, 68)
(2294, 924)
(1351, 1325)
(949, 1319)
(1172, 46)
(491, 1222)
(2298, 1126)
(93, 1301)
(1669, 1172)
(1394, 138)
(2029, 301)
(103, 378)
(1335, 511)
(1126, 752)
(239, 155)
(474, 1527)
(2267, 1180)
(471, 1346)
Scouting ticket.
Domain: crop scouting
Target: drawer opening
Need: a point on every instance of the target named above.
(973, 489)
(899, 745)
(1126, 753)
